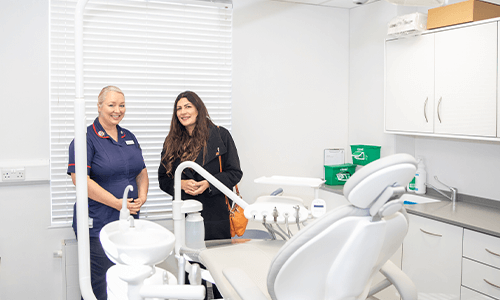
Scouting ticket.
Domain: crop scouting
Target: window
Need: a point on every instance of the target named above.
(152, 50)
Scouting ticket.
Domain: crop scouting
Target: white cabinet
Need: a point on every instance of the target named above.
(466, 70)
(480, 264)
(443, 83)
(409, 82)
(432, 256)
(449, 262)
(498, 85)
(467, 294)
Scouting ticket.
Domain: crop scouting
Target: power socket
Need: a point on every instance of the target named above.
(17, 174)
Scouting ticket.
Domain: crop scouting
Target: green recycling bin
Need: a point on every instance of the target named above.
(364, 154)
(338, 174)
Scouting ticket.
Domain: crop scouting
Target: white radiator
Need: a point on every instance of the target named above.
(69, 261)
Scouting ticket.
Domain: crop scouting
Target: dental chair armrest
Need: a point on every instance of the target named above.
(243, 284)
(400, 280)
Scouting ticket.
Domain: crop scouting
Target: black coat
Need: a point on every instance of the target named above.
(215, 212)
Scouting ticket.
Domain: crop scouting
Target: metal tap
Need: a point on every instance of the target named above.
(454, 191)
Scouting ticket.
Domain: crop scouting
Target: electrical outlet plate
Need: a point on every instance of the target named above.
(13, 174)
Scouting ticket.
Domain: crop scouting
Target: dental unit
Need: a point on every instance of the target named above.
(296, 267)
(334, 256)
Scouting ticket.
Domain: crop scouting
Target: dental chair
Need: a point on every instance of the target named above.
(336, 256)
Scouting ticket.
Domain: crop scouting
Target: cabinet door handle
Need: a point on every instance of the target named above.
(439, 108)
(491, 252)
(434, 234)
(425, 110)
(497, 286)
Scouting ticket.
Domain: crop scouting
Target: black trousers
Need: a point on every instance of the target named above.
(99, 265)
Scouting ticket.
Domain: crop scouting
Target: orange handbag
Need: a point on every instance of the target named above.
(236, 214)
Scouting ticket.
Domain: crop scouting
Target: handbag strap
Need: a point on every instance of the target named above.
(236, 186)
(227, 201)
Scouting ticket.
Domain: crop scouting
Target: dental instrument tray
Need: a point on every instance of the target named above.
(277, 209)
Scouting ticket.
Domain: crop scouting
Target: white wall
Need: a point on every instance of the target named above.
(28, 269)
(471, 166)
(290, 89)
(368, 29)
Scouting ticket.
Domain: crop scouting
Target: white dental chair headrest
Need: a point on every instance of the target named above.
(366, 184)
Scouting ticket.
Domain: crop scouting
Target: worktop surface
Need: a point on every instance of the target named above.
(478, 214)
(477, 217)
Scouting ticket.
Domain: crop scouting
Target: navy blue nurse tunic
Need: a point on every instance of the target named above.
(111, 164)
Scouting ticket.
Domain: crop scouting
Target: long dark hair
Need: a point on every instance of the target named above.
(178, 143)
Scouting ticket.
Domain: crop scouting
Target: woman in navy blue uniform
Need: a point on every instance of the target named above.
(114, 161)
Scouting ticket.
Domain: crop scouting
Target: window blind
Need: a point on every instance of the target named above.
(152, 50)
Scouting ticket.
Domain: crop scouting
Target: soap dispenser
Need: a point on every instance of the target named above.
(420, 178)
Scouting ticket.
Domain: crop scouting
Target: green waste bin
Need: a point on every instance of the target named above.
(338, 174)
(364, 154)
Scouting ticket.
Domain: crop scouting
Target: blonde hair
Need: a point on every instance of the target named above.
(104, 92)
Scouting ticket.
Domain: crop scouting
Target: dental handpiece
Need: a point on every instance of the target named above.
(268, 227)
(275, 214)
(284, 236)
(286, 224)
(297, 215)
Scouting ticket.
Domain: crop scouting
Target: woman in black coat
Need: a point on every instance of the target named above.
(194, 137)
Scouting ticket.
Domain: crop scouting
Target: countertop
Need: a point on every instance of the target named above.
(474, 213)
(473, 216)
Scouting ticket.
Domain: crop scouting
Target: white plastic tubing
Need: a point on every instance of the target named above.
(81, 161)
(178, 215)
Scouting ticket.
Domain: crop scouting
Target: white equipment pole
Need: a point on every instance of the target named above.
(81, 161)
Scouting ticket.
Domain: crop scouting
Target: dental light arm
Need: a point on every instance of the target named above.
(81, 161)
(178, 216)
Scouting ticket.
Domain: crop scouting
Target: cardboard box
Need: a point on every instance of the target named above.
(462, 12)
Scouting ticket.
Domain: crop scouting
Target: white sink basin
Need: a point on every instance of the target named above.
(416, 199)
(146, 244)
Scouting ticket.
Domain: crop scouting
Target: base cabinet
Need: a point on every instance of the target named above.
(481, 264)
(449, 262)
(432, 258)
(467, 294)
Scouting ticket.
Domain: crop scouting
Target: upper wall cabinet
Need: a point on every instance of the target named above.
(409, 98)
(443, 83)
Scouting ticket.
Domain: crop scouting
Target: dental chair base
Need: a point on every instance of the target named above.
(118, 288)
(148, 283)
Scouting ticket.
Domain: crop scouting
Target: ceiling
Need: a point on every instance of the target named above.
(351, 4)
(331, 3)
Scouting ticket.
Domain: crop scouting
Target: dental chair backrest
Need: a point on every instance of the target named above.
(337, 256)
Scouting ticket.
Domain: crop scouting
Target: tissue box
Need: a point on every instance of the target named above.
(462, 12)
